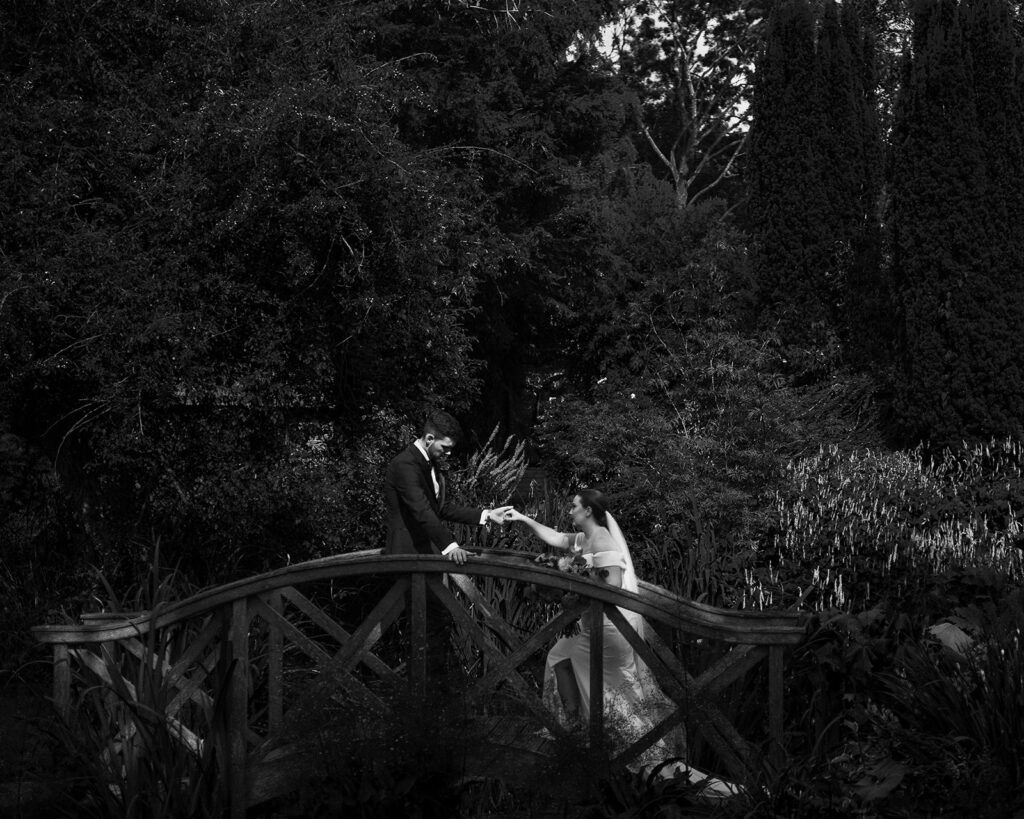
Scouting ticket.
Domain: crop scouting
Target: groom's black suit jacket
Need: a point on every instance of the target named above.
(415, 513)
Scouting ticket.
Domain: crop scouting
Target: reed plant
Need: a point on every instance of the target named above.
(868, 528)
(139, 756)
(694, 561)
(490, 477)
(958, 719)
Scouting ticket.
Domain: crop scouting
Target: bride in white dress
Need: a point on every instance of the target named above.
(633, 700)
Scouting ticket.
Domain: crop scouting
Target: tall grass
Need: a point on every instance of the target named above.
(694, 561)
(135, 760)
(490, 478)
(864, 526)
(959, 718)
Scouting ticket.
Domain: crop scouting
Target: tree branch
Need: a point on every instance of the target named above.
(723, 174)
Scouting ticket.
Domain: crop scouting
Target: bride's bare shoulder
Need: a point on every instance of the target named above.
(603, 541)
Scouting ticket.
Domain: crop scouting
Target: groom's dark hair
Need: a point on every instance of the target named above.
(442, 424)
(597, 501)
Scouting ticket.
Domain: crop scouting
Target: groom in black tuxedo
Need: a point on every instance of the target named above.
(416, 496)
(417, 508)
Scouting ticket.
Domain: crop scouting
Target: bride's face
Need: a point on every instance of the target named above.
(578, 513)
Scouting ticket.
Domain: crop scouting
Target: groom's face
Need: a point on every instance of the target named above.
(438, 449)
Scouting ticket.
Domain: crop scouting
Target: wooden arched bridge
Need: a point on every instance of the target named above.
(256, 664)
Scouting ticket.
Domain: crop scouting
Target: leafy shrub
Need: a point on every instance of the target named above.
(832, 678)
(410, 761)
(958, 719)
(624, 794)
(695, 562)
(43, 561)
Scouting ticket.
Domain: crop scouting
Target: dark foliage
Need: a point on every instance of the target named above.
(956, 251)
(814, 187)
(789, 192)
(244, 245)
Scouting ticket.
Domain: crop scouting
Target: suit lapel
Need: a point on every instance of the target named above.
(426, 466)
(441, 489)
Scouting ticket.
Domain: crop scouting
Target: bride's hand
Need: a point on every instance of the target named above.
(512, 514)
(497, 515)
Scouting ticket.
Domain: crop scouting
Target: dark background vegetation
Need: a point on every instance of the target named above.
(753, 268)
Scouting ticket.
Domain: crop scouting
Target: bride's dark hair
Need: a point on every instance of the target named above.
(596, 502)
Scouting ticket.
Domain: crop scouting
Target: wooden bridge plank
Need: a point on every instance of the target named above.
(189, 687)
(173, 675)
(304, 713)
(476, 634)
(720, 733)
(382, 615)
(679, 685)
(532, 644)
(655, 734)
(503, 669)
(765, 628)
(352, 686)
(492, 619)
(279, 622)
(212, 628)
(730, 667)
(678, 682)
(333, 628)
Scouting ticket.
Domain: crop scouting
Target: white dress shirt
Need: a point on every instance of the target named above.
(437, 491)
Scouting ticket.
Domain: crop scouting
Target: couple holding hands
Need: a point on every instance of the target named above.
(417, 507)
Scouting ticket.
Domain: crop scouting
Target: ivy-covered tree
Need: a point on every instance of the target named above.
(955, 216)
(219, 257)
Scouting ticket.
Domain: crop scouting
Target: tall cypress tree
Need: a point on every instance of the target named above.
(955, 270)
(814, 176)
(866, 313)
(996, 58)
(841, 149)
(787, 195)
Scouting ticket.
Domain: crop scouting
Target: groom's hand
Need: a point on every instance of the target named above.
(458, 555)
(497, 515)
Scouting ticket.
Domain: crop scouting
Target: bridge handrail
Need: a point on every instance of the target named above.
(655, 603)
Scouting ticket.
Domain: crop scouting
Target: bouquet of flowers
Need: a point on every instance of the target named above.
(572, 563)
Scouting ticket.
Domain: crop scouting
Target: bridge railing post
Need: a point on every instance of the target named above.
(596, 615)
(238, 707)
(775, 694)
(62, 680)
(418, 647)
(275, 666)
